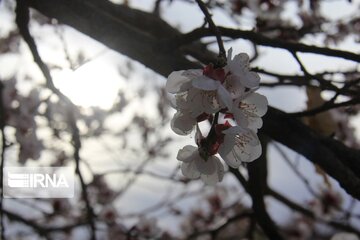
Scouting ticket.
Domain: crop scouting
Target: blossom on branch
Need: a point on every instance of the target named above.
(239, 145)
(226, 97)
(239, 69)
(193, 166)
(248, 110)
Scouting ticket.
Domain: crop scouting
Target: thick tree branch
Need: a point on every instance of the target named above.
(128, 31)
(257, 186)
(297, 136)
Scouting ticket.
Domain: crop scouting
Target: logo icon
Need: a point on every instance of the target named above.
(18, 180)
(38, 182)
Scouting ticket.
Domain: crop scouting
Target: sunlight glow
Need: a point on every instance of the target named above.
(90, 85)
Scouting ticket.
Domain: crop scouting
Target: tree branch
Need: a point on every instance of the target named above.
(259, 39)
(257, 186)
(325, 107)
(41, 230)
(294, 206)
(2, 159)
(128, 31)
(295, 135)
(213, 27)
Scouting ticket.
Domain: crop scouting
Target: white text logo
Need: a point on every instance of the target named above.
(38, 182)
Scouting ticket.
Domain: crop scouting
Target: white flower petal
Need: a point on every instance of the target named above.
(192, 73)
(200, 101)
(249, 137)
(210, 104)
(217, 176)
(189, 170)
(247, 148)
(177, 82)
(258, 104)
(243, 147)
(182, 123)
(241, 61)
(239, 64)
(227, 145)
(240, 118)
(204, 166)
(205, 83)
(231, 158)
(250, 79)
(229, 55)
(225, 97)
(234, 86)
(255, 152)
(186, 153)
(180, 101)
(249, 109)
(255, 123)
(235, 130)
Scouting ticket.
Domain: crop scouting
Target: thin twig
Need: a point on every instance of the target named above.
(308, 213)
(318, 78)
(77, 146)
(214, 232)
(213, 27)
(325, 107)
(296, 171)
(3, 148)
(156, 9)
(41, 230)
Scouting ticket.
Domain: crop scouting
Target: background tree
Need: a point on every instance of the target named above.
(39, 121)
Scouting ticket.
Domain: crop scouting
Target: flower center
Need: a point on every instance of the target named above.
(217, 74)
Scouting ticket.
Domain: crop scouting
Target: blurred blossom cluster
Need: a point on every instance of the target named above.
(327, 206)
(310, 18)
(225, 96)
(20, 112)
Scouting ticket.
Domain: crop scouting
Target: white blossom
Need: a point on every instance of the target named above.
(207, 94)
(240, 73)
(199, 93)
(249, 110)
(194, 166)
(213, 89)
(180, 81)
(239, 145)
(182, 123)
(148, 227)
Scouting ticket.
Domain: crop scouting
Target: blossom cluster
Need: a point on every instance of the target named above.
(225, 96)
(20, 112)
